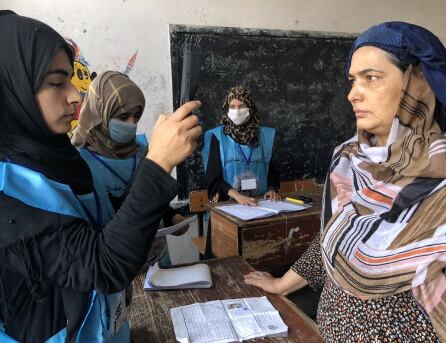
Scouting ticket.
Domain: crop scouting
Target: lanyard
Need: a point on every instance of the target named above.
(98, 220)
(110, 169)
(247, 159)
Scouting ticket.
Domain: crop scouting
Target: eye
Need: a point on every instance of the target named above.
(371, 78)
(124, 116)
(56, 84)
(351, 80)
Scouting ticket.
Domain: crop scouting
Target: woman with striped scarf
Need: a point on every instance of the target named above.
(381, 253)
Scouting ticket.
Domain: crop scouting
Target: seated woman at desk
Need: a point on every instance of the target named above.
(380, 256)
(237, 154)
(107, 141)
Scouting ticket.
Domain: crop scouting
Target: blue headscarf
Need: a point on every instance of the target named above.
(410, 44)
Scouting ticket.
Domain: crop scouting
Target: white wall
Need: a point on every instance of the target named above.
(110, 31)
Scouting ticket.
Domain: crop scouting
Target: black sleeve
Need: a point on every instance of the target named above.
(74, 255)
(214, 173)
(273, 180)
(168, 216)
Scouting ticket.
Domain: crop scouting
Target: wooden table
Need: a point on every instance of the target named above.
(273, 243)
(150, 316)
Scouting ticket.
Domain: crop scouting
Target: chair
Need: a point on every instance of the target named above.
(198, 205)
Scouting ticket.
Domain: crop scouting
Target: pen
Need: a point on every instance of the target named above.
(295, 201)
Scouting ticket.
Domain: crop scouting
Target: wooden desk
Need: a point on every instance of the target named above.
(150, 316)
(272, 244)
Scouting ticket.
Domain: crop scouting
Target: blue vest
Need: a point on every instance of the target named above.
(112, 175)
(35, 190)
(241, 161)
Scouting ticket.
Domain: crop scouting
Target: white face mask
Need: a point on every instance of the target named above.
(238, 115)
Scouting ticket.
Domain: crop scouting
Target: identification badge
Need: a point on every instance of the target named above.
(118, 314)
(247, 184)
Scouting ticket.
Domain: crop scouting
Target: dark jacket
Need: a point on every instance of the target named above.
(46, 276)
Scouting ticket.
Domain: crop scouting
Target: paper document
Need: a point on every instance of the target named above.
(171, 229)
(230, 320)
(264, 208)
(196, 276)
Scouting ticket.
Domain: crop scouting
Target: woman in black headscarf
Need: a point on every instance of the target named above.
(61, 272)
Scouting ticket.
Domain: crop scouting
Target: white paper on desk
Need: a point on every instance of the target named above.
(281, 206)
(264, 208)
(171, 229)
(267, 316)
(195, 276)
(202, 323)
(227, 320)
(246, 212)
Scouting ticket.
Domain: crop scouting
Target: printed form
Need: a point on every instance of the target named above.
(230, 320)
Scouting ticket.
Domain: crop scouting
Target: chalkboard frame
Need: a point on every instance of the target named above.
(193, 33)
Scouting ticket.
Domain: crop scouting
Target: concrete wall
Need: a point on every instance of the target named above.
(109, 32)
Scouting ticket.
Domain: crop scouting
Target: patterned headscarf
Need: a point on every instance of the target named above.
(248, 132)
(110, 95)
(384, 223)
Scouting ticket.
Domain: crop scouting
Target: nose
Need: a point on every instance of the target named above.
(355, 94)
(73, 96)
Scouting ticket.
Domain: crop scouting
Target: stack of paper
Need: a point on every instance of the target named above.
(196, 276)
(264, 208)
(224, 321)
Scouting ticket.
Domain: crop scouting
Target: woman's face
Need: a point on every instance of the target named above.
(132, 116)
(235, 104)
(376, 91)
(57, 97)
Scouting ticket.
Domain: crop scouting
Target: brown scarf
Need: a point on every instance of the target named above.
(248, 132)
(110, 95)
(385, 221)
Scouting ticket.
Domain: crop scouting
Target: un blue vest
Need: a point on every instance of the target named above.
(112, 175)
(235, 157)
(35, 190)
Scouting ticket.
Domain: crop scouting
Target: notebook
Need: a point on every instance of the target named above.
(264, 208)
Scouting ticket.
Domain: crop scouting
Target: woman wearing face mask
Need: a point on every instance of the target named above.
(62, 270)
(237, 155)
(107, 141)
(380, 258)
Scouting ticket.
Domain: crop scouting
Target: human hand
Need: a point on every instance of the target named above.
(241, 199)
(178, 218)
(264, 281)
(272, 195)
(174, 136)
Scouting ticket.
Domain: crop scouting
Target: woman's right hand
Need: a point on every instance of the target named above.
(174, 136)
(264, 281)
(241, 199)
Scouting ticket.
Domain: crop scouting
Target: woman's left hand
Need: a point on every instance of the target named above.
(272, 195)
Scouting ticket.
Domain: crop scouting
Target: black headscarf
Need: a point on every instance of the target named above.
(27, 48)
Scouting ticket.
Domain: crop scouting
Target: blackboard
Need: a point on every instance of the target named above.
(299, 85)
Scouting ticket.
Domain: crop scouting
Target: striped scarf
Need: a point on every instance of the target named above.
(384, 226)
